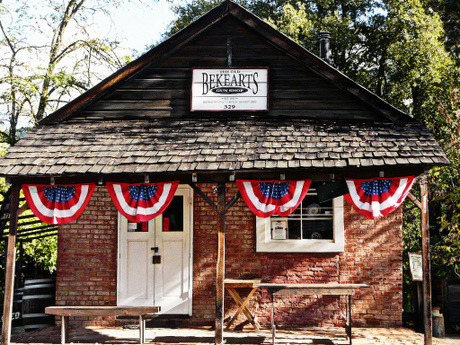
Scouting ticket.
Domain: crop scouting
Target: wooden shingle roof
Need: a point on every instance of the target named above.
(138, 120)
(213, 144)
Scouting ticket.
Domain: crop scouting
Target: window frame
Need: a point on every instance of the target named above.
(264, 243)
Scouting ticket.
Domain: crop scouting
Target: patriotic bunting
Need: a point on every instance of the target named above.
(379, 196)
(265, 198)
(58, 204)
(141, 202)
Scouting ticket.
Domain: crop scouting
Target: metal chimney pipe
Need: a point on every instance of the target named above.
(324, 51)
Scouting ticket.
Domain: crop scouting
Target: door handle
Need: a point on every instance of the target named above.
(155, 249)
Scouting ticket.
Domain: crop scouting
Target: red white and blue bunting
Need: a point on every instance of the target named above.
(58, 204)
(377, 197)
(265, 198)
(141, 202)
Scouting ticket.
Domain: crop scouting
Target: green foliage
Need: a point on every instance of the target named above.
(411, 243)
(449, 11)
(395, 48)
(417, 59)
(41, 254)
(188, 12)
(445, 184)
(47, 57)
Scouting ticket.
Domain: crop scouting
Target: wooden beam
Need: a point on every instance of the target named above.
(204, 196)
(220, 265)
(414, 200)
(23, 208)
(427, 317)
(10, 265)
(221, 207)
(232, 201)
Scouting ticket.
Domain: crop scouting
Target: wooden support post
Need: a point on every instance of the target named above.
(220, 266)
(10, 266)
(427, 317)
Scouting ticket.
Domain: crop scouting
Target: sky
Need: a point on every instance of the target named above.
(139, 26)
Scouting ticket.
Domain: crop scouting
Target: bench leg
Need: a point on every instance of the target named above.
(273, 321)
(141, 329)
(349, 321)
(64, 329)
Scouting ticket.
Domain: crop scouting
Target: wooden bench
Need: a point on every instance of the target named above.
(65, 312)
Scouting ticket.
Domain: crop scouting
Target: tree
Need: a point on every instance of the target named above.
(449, 11)
(48, 56)
(418, 61)
(445, 183)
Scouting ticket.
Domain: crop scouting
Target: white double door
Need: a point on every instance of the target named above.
(154, 261)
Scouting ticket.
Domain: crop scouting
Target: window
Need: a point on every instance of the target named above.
(311, 228)
(173, 216)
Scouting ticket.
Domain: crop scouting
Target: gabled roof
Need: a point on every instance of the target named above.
(275, 37)
(132, 124)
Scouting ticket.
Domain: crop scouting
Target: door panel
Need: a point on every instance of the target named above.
(137, 281)
(168, 282)
(172, 277)
(135, 284)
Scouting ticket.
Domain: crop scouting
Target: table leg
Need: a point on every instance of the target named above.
(273, 320)
(141, 329)
(348, 321)
(242, 307)
(64, 329)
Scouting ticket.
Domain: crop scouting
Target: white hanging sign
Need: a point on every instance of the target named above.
(229, 89)
(415, 265)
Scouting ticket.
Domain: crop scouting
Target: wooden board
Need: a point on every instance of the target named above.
(242, 283)
(100, 310)
(452, 300)
(311, 289)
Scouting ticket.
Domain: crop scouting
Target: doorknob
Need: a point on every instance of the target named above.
(155, 249)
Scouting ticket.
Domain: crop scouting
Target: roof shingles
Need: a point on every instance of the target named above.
(212, 144)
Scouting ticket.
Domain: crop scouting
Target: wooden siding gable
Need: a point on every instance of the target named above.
(158, 83)
(163, 89)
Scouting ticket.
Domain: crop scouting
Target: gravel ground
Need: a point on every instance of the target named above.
(205, 336)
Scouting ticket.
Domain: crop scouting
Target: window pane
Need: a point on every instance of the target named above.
(173, 217)
(317, 229)
(294, 229)
(138, 227)
(317, 221)
(311, 220)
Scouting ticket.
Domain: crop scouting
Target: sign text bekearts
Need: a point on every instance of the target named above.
(237, 89)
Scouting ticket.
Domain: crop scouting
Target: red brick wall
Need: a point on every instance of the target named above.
(87, 257)
(87, 265)
(373, 255)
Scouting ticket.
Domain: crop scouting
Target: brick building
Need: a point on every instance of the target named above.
(141, 124)
(372, 255)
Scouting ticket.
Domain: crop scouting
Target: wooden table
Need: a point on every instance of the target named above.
(232, 286)
(66, 311)
(286, 289)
